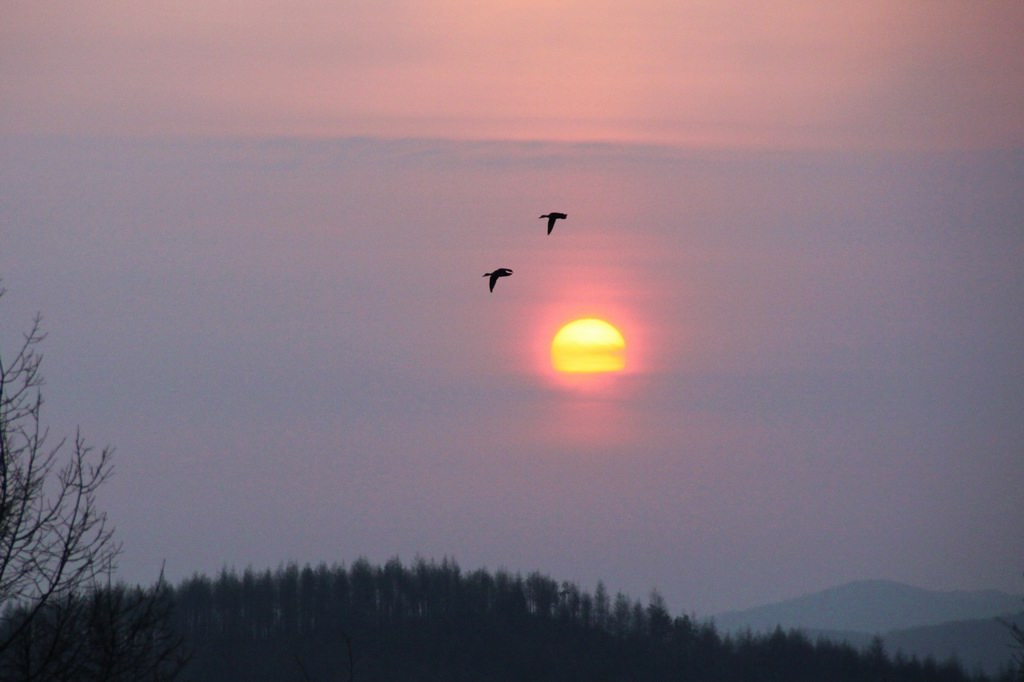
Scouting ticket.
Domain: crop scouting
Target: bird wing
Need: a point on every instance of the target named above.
(551, 222)
(494, 278)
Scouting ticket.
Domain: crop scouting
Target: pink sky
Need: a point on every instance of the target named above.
(796, 73)
(274, 309)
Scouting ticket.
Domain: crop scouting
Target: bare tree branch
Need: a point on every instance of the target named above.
(59, 618)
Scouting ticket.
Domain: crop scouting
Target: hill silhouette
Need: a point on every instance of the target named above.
(432, 621)
(980, 644)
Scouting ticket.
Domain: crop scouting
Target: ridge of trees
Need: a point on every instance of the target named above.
(432, 620)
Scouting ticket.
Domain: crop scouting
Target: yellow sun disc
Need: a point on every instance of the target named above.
(588, 346)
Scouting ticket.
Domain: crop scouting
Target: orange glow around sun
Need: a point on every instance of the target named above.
(588, 346)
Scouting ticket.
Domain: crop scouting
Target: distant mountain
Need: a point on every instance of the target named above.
(872, 606)
(977, 644)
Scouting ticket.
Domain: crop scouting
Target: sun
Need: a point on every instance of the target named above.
(588, 346)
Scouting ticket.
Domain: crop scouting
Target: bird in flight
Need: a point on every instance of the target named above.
(500, 272)
(552, 217)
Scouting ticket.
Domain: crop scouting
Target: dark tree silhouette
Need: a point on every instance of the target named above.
(1018, 645)
(1017, 635)
(431, 621)
(60, 615)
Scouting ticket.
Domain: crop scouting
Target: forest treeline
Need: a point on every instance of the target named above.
(432, 621)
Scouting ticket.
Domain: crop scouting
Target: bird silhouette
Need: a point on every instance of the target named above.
(552, 217)
(500, 272)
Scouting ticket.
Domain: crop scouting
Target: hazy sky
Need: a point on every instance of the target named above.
(257, 231)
